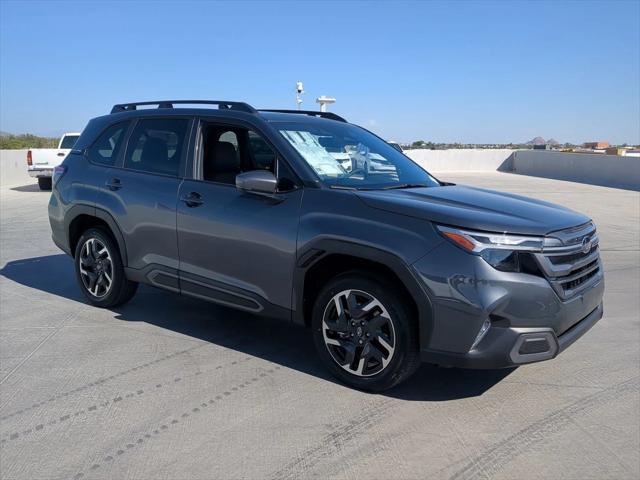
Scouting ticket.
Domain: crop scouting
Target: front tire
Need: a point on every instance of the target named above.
(365, 332)
(44, 183)
(99, 270)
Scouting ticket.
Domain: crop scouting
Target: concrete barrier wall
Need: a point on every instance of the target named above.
(13, 168)
(595, 169)
(606, 170)
(468, 160)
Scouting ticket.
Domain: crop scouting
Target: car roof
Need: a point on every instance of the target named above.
(269, 116)
(223, 108)
(97, 124)
(294, 118)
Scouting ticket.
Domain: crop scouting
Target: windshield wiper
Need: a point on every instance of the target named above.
(388, 187)
(404, 185)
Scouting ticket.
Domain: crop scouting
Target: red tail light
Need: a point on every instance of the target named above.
(58, 172)
(29, 158)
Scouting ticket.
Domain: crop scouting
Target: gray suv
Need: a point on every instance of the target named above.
(305, 217)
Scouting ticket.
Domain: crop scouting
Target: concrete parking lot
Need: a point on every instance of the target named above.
(173, 388)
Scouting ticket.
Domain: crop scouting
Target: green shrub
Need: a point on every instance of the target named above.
(27, 140)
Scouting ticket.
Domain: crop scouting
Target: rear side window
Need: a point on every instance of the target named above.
(156, 145)
(69, 141)
(105, 149)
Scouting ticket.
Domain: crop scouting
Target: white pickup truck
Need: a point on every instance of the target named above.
(42, 161)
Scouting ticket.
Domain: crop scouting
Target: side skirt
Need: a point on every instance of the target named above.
(207, 289)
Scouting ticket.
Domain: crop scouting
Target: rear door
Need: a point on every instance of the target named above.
(141, 193)
(237, 248)
(102, 155)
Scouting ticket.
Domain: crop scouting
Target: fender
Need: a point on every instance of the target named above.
(78, 210)
(316, 250)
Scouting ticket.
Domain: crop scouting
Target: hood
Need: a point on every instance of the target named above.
(475, 209)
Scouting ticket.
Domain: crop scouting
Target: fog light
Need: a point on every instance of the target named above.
(534, 345)
(483, 331)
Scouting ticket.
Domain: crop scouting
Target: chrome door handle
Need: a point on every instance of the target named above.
(193, 199)
(114, 184)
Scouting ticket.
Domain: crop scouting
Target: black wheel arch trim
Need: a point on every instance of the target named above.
(81, 209)
(316, 250)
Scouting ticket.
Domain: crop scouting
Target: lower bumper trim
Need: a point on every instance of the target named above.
(45, 172)
(510, 347)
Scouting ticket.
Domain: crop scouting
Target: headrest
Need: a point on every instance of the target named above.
(224, 158)
(154, 151)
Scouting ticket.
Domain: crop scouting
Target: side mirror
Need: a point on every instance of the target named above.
(257, 181)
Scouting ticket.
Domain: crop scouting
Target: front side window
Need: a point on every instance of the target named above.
(346, 156)
(105, 150)
(230, 137)
(156, 145)
(229, 151)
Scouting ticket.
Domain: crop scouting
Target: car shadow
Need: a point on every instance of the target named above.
(29, 188)
(272, 340)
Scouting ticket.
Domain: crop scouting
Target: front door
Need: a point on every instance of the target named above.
(237, 248)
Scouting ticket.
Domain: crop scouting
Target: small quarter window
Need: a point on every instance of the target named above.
(263, 156)
(156, 145)
(105, 149)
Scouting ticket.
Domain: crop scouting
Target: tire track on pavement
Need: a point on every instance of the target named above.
(195, 409)
(96, 406)
(492, 460)
(100, 381)
(333, 443)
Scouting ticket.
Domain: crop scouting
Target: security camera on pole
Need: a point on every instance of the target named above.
(299, 92)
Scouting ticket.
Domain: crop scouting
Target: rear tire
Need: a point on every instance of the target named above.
(99, 270)
(44, 183)
(365, 332)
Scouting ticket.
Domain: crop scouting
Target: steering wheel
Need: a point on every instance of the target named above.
(356, 171)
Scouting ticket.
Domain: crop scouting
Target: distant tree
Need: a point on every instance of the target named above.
(27, 140)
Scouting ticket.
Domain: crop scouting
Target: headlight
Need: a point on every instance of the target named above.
(476, 242)
(507, 253)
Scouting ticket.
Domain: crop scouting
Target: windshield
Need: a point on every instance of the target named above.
(68, 141)
(347, 156)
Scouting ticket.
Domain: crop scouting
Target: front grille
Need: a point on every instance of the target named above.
(571, 258)
(591, 271)
(569, 268)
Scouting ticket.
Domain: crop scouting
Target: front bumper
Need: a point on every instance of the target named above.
(529, 322)
(509, 347)
(40, 172)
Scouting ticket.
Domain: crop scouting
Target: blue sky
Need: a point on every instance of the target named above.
(452, 71)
